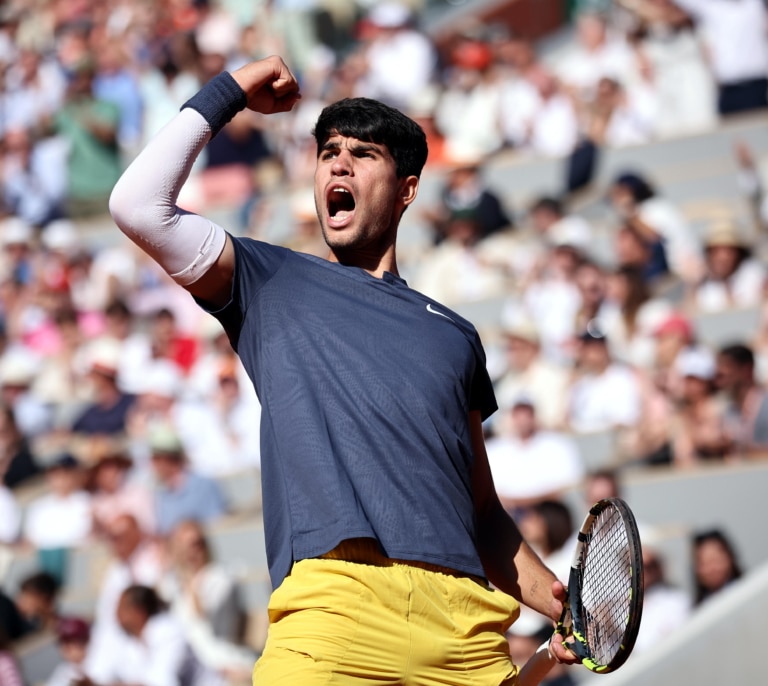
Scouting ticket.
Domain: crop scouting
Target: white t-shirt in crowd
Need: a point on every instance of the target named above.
(53, 521)
(546, 463)
(735, 35)
(606, 401)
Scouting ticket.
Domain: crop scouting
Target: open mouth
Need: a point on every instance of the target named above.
(341, 203)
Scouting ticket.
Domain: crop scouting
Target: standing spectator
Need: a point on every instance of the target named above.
(61, 518)
(732, 276)
(746, 413)
(90, 126)
(181, 493)
(204, 597)
(734, 35)
(532, 465)
(715, 564)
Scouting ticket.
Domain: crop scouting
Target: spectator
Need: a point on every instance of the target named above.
(699, 428)
(604, 395)
(181, 493)
(61, 518)
(17, 464)
(151, 649)
(673, 335)
(746, 413)
(107, 414)
(454, 272)
(732, 277)
(134, 558)
(592, 282)
(656, 222)
(37, 600)
(10, 516)
(169, 342)
(401, 60)
(73, 635)
(204, 597)
(90, 126)
(532, 465)
(665, 608)
(555, 226)
(12, 623)
(10, 674)
(715, 565)
(116, 492)
(548, 527)
(465, 190)
(528, 372)
(734, 37)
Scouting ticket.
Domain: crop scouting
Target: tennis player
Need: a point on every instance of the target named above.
(391, 558)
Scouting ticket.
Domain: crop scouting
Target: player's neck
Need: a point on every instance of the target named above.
(373, 263)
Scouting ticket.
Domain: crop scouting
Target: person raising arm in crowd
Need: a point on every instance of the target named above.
(381, 520)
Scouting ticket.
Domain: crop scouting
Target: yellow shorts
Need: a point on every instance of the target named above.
(380, 621)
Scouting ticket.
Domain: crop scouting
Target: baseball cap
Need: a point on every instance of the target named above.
(73, 629)
(675, 323)
(696, 362)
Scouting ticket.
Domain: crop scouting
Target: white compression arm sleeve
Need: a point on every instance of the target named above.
(143, 202)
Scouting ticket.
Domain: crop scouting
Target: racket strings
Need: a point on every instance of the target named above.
(607, 589)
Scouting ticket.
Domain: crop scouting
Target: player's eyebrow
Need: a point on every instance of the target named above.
(354, 148)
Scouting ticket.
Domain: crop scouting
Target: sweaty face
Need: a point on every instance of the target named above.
(358, 196)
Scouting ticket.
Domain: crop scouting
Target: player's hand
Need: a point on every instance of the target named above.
(269, 85)
(557, 645)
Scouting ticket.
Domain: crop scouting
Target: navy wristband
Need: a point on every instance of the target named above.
(218, 101)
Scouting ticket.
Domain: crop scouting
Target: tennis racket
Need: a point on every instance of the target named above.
(605, 588)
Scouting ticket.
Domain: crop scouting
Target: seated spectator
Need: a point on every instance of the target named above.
(116, 493)
(673, 335)
(732, 277)
(61, 518)
(665, 608)
(746, 412)
(604, 394)
(548, 527)
(37, 599)
(699, 427)
(464, 189)
(10, 673)
(656, 222)
(134, 558)
(204, 597)
(73, 635)
(181, 494)
(453, 272)
(10, 516)
(106, 414)
(629, 315)
(17, 464)
(151, 648)
(529, 373)
(18, 371)
(715, 565)
(169, 342)
(532, 465)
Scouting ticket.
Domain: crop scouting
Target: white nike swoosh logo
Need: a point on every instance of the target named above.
(434, 311)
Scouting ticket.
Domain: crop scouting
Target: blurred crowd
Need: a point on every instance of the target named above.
(123, 409)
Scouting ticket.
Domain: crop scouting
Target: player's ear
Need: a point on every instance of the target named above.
(409, 187)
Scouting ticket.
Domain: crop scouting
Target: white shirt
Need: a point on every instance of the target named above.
(735, 34)
(583, 69)
(53, 521)
(546, 463)
(10, 516)
(743, 289)
(664, 609)
(161, 657)
(607, 401)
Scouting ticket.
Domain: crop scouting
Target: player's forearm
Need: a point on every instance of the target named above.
(537, 668)
(512, 565)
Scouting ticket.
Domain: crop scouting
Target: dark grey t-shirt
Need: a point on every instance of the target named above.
(365, 386)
